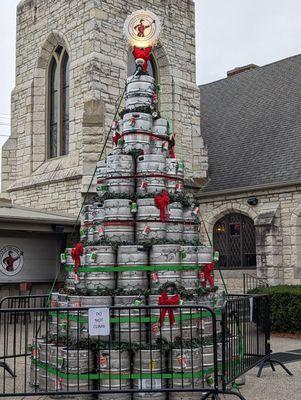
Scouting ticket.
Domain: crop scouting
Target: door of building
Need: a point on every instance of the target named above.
(234, 238)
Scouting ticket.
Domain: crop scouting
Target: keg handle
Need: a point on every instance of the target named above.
(141, 158)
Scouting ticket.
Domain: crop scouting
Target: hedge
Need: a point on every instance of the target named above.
(286, 307)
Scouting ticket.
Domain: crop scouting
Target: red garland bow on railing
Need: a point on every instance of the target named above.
(164, 300)
(76, 253)
(162, 202)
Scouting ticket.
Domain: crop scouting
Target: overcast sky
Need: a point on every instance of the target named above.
(230, 33)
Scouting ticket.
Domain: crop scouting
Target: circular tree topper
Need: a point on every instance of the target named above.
(142, 29)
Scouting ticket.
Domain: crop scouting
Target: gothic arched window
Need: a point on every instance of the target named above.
(152, 67)
(234, 238)
(58, 100)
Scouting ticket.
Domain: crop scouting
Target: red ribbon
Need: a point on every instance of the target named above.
(76, 253)
(164, 300)
(119, 223)
(162, 202)
(116, 137)
(207, 270)
(145, 54)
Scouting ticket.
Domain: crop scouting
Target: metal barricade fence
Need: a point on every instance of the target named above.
(246, 335)
(22, 304)
(150, 351)
(30, 301)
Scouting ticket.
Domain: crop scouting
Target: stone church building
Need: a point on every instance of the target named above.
(71, 65)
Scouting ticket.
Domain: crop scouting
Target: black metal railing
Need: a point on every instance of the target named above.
(246, 334)
(149, 349)
(251, 282)
(30, 301)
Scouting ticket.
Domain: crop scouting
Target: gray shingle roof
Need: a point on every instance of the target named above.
(251, 124)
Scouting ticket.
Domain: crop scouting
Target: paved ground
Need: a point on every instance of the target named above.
(271, 386)
(276, 385)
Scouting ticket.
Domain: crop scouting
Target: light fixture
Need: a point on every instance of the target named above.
(252, 201)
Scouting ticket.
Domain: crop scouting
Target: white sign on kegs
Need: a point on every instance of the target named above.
(99, 321)
(11, 260)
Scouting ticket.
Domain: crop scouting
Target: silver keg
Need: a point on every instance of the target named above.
(114, 363)
(130, 331)
(149, 362)
(175, 176)
(120, 165)
(149, 225)
(205, 255)
(140, 84)
(149, 230)
(151, 164)
(99, 255)
(186, 360)
(118, 210)
(150, 185)
(139, 92)
(161, 128)
(167, 255)
(159, 146)
(78, 324)
(190, 232)
(189, 257)
(174, 226)
(76, 361)
(136, 141)
(137, 122)
(138, 100)
(124, 186)
(147, 210)
(120, 231)
(101, 170)
(166, 331)
(88, 213)
(131, 256)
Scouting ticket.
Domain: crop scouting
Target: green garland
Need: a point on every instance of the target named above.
(141, 109)
(160, 344)
(132, 292)
(112, 196)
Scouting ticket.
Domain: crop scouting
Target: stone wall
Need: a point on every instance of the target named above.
(277, 219)
(60, 196)
(91, 31)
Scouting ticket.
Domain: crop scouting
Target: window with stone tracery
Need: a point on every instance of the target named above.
(58, 104)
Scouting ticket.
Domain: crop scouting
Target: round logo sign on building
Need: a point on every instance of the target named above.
(142, 29)
(11, 260)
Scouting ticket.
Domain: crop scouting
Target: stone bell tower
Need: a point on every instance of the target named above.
(79, 110)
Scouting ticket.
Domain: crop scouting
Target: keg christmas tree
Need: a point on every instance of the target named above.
(139, 246)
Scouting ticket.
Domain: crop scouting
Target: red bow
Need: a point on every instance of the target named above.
(164, 300)
(76, 252)
(162, 202)
(145, 54)
(207, 271)
(116, 137)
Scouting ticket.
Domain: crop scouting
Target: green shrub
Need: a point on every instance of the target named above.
(286, 307)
